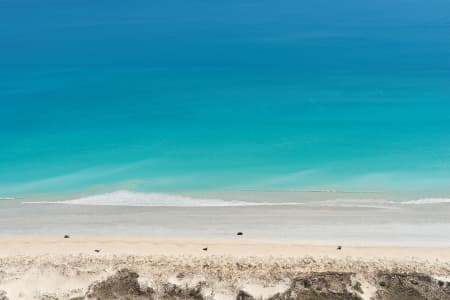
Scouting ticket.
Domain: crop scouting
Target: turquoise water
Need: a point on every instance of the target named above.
(66, 130)
(164, 97)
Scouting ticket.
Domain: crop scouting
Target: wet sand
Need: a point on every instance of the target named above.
(424, 226)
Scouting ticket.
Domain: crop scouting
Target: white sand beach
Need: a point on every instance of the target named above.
(128, 252)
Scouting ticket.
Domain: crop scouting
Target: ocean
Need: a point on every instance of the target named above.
(176, 98)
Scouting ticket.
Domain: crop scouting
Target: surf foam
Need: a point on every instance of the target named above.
(427, 201)
(127, 198)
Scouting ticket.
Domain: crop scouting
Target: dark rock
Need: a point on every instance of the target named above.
(398, 286)
(244, 296)
(240, 233)
(339, 248)
(123, 285)
(205, 249)
(66, 236)
(97, 250)
(319, 286)
(175, 292)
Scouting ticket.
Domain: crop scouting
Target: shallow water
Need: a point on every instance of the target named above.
(95, 130)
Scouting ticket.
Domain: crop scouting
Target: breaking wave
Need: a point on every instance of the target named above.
(127, 198)
(427, 201)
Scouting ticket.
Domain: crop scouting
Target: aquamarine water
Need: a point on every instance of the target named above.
(242, 95)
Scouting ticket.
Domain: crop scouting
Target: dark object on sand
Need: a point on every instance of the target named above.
(97, 250)
(239, 233)
(205, 249)
(66, 236)
(339, 248)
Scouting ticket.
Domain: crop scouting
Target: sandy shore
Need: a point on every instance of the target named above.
(238, 247)
(58, 268)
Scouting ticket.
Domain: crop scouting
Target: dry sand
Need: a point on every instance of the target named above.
(238, 247)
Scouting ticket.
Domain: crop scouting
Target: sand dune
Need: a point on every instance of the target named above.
(58, 268)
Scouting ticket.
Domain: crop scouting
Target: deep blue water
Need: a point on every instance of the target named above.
(206, 95)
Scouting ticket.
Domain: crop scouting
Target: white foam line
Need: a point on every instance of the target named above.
(426, 201)
(126, 198)
(228, 204)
